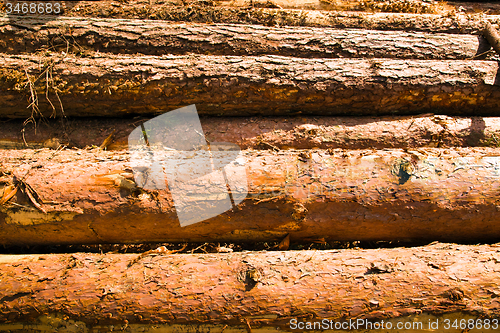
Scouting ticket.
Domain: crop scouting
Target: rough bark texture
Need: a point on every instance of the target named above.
(109, 85)
(269, 133)
(160, 37)
(198, 11)
(453, 21)
(254, 289)
(425, 194)
(400, 6)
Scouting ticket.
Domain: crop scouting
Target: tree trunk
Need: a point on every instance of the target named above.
(269, 133)
(453, 22)
(260, 289)
(158, 38)
(76, 197)
(109, 85)
(413, 6)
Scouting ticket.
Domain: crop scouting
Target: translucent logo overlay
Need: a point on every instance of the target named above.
(205, 178)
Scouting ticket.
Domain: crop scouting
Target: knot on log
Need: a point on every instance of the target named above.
(454, 294)
(250, 276)
(299, 212)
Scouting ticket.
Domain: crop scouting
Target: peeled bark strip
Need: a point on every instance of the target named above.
(109, 85)
(269, 133)
(252, 290)
(90, 196)
(160, 37)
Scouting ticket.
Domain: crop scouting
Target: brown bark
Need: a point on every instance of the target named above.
(411, 6)
(492, 36)
(453, 22)
(270, 133)
(425, 194)
(405, 6)
(109, 85)
(260, 289)
(158, 38)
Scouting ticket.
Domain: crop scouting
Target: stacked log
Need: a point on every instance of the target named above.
(155, 37)
(270, 133)
(451, 20)
(112, 85)
(91, 197)
(255, 291)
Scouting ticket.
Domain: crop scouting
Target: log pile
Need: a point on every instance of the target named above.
(353, 126)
